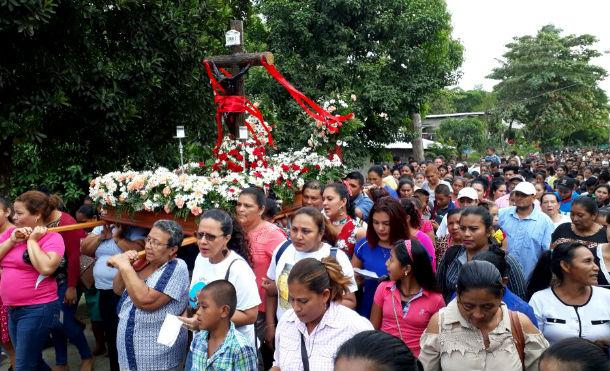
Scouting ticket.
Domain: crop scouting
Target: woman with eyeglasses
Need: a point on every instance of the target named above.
(403, 305)
(102, 243)
(147, 296)
(225, 255)
(476, 331)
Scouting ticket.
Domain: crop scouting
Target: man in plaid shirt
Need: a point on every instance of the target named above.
(219, 346)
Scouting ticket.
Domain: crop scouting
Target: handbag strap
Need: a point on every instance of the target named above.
(517, 331)
(304, 356)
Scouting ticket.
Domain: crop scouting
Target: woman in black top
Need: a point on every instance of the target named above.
(584, 227)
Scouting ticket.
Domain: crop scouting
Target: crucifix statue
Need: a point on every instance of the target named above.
(238, 64)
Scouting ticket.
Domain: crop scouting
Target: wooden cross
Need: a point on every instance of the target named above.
(238, 63)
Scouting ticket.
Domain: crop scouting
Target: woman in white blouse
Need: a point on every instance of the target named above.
(564, 296)
(309, 335)
(475, 330)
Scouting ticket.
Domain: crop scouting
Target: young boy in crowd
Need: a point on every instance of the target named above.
(219, 346)
(442, 204)
(424, 198)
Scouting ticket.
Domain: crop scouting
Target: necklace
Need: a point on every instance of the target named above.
(339, 222)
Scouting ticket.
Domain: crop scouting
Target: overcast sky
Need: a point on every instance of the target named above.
(485, 26)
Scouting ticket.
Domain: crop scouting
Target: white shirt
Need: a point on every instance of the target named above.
(241, 276)
(289, 258)
(338, 325)
(565, 218)
(559, 321)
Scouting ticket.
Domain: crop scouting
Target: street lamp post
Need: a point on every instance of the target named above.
(180, 134)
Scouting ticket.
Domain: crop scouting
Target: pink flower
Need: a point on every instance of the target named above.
(319, 124)
(179, 203)
(166, 191)
(166, 208)
(196, 211)
(353, 97)
(121, 198)
(332, 109)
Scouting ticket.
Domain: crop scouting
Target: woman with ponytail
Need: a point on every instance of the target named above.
(476, 225)
(340, 210)
(403, 305)
(476, 331)
(29, 256)
(564, 296)
(309, 335)
(224, 254)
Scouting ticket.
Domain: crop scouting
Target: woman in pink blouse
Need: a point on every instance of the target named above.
(403, 306)
(29, 256)
(263, 238)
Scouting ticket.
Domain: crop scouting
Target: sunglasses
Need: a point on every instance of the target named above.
(208, 236)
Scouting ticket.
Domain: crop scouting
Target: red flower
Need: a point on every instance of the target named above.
(289, 183)
(233, 152)
(317, 167)
(285, 167)
(238, 169)
(239, 157)
(201, 164)
(279, 181)
(257, 174)
(223, 156)
(295, 167)
(254, 165)
(304, 170)
(234, 180)
(231, 190)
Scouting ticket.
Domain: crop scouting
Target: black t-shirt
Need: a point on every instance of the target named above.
(563, 233)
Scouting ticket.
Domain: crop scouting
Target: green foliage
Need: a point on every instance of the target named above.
(447, 151)
(35, 171)
(463, 133)
(113, 79)
(458, 100)
(392, 54)
(548, 84)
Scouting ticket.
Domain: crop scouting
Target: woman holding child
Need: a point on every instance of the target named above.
(160, 288)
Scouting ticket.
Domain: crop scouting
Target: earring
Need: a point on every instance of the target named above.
(406, 274)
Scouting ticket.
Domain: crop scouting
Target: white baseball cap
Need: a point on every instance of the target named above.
(525, 188)
(468, 192)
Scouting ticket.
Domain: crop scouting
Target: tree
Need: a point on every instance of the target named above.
(463, 133)
(548, 84)
(103, 84)
(392, 54)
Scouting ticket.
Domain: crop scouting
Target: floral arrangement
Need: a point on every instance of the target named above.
(324, 138)
(239, 165)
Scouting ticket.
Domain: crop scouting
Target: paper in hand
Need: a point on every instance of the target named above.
(366, 273)
(169, 330)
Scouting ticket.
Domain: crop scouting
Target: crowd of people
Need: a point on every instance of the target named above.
(502, 264)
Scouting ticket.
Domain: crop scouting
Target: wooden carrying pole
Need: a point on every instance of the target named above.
(71, 227)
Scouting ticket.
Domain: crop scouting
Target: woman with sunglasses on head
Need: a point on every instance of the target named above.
(147, 296)
(476, 226)
(311, 238)
(224, 254)
(404, 304)
(476, 331)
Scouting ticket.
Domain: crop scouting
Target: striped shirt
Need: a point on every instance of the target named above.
(137, 331)
(235, 353)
